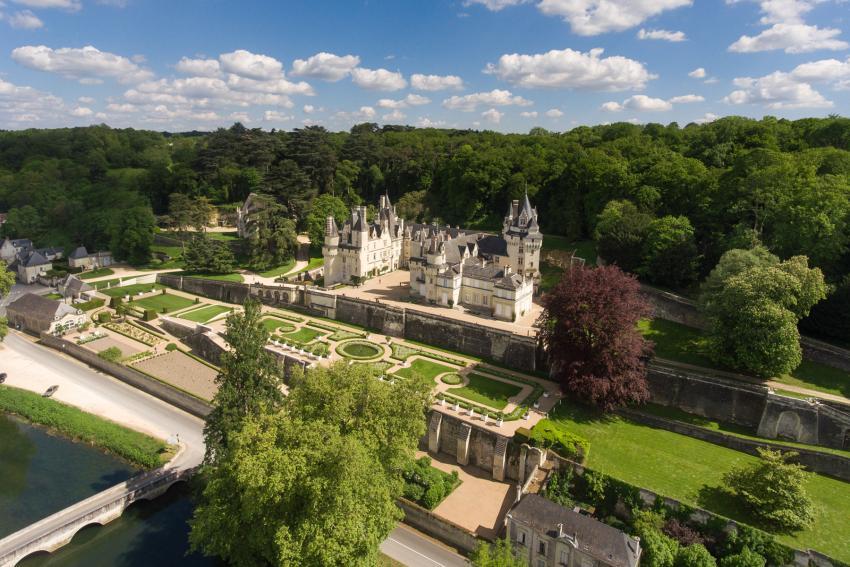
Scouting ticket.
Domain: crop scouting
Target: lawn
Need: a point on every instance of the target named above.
(136, 447)
(104, 283)
(304, 335)
(53, 296)
(584, 248)
(273, 324)
(315, 262)
(98, 273)
(206, 313)
(426, 368)
(550, 275)
(130, 289)
(690, 470)
(359, 350)
(681, 343)
(163, 302)
(482, 390)
(234, 277)
(279, 271)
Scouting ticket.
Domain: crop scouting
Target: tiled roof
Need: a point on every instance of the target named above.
(35, 306)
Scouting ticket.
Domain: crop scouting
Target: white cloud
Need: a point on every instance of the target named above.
(792, 38)
(593, 17)
(697, 73)
(707, 117)
(664, 35)
(85, 100)
(426, 122)
(612, 106)
(409, 100)
(492, 115)
(122, 108)
(776, 91)
(81, 112)
(240, 117)
(25, 20)
(276, 116)
(274, 86)
(309, 109)
(71, 5)
(687, 99)
(529, 114)
(365, 113)
(251, 65)
(378, 79)
(325, 66)
(394, 116)
(495, 5)
(825, 70)
(199, 67)
(572, 69)
(87, 65)
(554, 113)
(496, 97)
(422, 82)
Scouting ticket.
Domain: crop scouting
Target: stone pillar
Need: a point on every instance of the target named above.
(464, 433)
(434, 426)
(499, 457)
(523, 453)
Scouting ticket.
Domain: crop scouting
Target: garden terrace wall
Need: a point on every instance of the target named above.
(837, 466)
(169, 394)
(437, 527)
(386, 319)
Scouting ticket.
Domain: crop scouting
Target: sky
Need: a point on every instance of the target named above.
(504, 65)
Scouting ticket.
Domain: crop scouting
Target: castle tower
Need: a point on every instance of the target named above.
(330, 252)
(524, 239)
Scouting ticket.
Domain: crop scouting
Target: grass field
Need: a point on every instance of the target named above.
(204, 314)
(279, 271)
(130, 289)
(315, 262)
(98, 273)
(690, 470)
(549, 276)
(234, 277)
(71, 422)
(584, 248)
(273, 324)
(680, 343)
(163, 302)
(304, 335)
(53, 296)
(483, 390)
(427, 368)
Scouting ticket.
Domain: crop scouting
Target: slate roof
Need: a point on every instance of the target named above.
(600, 541)
(79, 253)
(34, 259)
(51, 251)
(492, 245)
(35, 306)
(74, 285)
(23, 243)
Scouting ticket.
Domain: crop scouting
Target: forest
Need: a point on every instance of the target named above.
(664, 201)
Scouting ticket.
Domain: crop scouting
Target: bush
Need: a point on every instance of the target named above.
(695, 555)
(559, 489)
(426, 485)
(104, 317)
(112, 354)
(170, 347)
(682, 533)
(150, 315)
(116, 302)
(746, 558)
(91, 304)
(658, 549)
(451, 379)
(566, 444)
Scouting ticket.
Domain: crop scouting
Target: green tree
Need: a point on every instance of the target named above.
(24, 222)
(694, 555)
(621, 230)
(281, 495)
(206, 255)
(132, 235)
(499, 554)
(745, 558)
(773, 490)
(273, 239)
(249, 380)
(732, 263)
(670, 252)
(7, 280)
(324, 206)
(412, 206)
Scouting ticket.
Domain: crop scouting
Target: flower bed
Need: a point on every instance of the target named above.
(359, 350)
(133, 332)
(403, 352)
(338, 333)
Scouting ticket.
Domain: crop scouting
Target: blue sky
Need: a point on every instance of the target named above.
(505, 65)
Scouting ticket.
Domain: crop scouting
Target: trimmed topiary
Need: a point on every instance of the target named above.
(451, 379)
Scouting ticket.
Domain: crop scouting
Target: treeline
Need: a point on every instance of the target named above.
(786, 183)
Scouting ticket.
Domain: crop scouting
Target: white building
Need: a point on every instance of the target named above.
(448, 266)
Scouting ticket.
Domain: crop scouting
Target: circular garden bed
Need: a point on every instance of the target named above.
(359, 350)
(451, 379)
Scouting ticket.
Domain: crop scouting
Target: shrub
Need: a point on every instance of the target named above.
(595, 484)
(426, 485)
(170, 347)
(451, 379)
(116, 302)
(112, 354)
(85, 326)
(682, 533)
(746, 558)
(560, 487)
(658, 549)
(566, 444)
(91, 304)
(150, 315)
(695, 555)
(104, 317)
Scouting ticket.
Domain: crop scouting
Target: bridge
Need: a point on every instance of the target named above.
(56, 530)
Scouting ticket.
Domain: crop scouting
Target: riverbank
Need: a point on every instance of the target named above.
(137, 448)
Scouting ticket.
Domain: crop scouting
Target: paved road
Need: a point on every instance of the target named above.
(34, 367)
(413, 549)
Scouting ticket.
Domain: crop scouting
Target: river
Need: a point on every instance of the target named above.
(42, 473)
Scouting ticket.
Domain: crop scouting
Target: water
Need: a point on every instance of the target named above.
(41, 474)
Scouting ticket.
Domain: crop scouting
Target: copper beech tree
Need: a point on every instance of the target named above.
(589, 330)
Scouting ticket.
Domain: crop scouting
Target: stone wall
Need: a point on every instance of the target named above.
(155, 388)
(825, 353)
(386, 319)
(830, 464)
(805, 422)
(229, 292)
(439, 528)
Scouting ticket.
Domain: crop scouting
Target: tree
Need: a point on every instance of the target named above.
(132, 235)
(324, 206)
(659, 550)
(745, 558)
(281, 494)
(753, 317)
(411, 206)
(774, 490)
(831, 317)
(621, 229)
(206, 255)
(589, 330)
(499, 554)
(732, 263)
(249, 380)
(694, 555)
(200, 213)
(670, 252)
(273, 239)
(7, 280)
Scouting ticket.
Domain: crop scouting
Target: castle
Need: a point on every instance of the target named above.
(448, 266)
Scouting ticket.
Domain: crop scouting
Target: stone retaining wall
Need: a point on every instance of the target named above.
(439, 528)
(155, 388)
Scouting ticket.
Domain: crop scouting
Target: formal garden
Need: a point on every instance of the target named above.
(359, 350)
(162, 302)
(204, 313)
